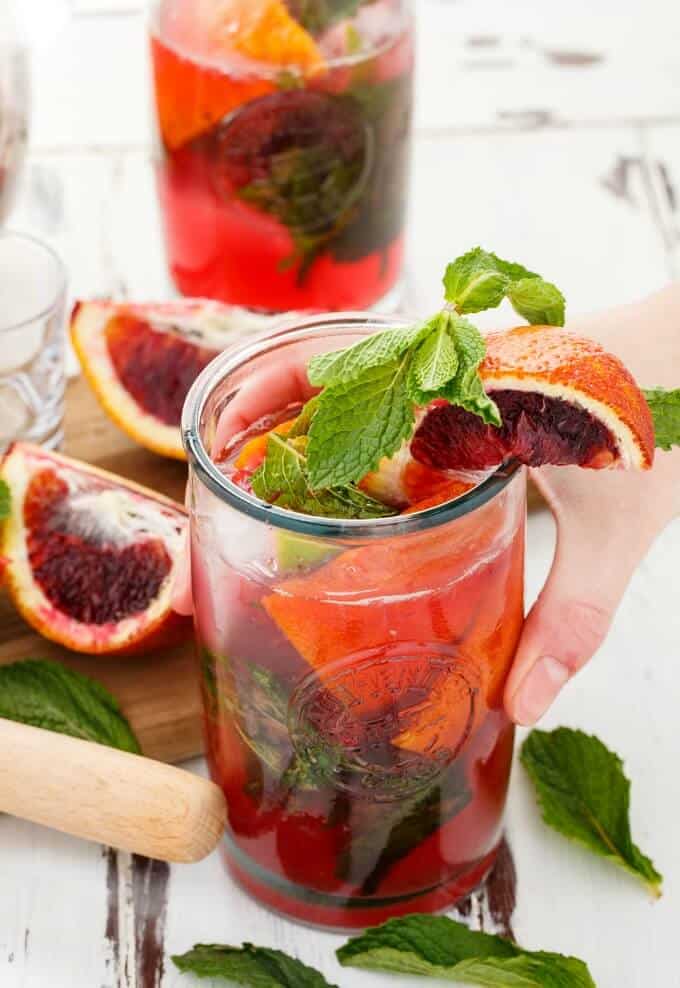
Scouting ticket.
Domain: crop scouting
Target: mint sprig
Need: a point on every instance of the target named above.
(5, 500)
(250, 966)
(585, 795)
(284, 480)
(480, 280)
(439, 947)
(665, 408)
(318, 15)
(372, 389)
(48, 695)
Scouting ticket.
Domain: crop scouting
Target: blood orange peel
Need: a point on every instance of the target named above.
(141, 360)
(91, 557)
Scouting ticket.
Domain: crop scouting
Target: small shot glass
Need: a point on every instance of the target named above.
(32, 341)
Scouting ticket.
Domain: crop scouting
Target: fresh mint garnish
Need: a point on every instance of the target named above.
(372, 389)
(284, 480)
(584, 795)
(5, 500)
(439, 947)
(48, 695)
(665, 408)
(479, 280)
(250, 966)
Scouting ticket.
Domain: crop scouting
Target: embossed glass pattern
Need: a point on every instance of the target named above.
(352, 674)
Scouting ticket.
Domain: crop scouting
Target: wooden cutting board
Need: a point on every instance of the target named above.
(158, 693)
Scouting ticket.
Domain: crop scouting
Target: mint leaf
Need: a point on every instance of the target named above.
(356, 424)
(345, 366)
(436, 360)
(254, 967)
(438, 947)
(5, 500)
(538, 301)
(665, 408)
(466, 388)
(48, 695)
(480, 280)
(474, 282)
(584, 795)
(283, 480)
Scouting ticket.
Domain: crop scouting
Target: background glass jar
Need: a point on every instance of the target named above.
(283, 185)
(352, 672)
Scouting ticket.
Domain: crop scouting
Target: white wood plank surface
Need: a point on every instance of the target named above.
(547, 132)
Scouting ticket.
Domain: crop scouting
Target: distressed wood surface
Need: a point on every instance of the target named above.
(544, 132)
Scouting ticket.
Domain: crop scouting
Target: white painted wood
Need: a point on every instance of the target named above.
(486, 170)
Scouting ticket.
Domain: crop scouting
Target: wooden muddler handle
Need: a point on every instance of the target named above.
(108, 796)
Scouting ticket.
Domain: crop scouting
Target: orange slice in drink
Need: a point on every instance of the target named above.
(192, 96)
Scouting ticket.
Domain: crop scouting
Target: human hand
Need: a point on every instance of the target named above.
(606, 521)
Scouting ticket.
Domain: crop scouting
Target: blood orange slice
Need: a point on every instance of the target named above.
(563, 400)
(141, 360)
(91, 556)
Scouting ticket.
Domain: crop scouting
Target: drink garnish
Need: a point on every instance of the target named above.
(665, 408)
(372, 389)
(439, 947)
(48, 695)
(249, 965)
(318, 15)
(585, 795)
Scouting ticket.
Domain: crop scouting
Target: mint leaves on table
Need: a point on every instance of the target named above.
(584, 795)
(254, 967)
(283, 480)
(5, 500)
(665, 408)
(479, 280)
(439, 947)
(48, 695)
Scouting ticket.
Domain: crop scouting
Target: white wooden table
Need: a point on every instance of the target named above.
(551, 134)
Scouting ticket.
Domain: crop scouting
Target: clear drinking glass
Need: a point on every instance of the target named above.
(352, 672)
(14, 107)
(283, 184)
(32, 341)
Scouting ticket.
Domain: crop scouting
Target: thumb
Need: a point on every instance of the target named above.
(568, 622)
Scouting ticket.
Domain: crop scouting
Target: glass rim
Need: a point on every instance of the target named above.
(211, 477)
(62, 278)
(267, 71)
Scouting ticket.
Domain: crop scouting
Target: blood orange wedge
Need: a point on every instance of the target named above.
(141, 360)
(91, 556)
(563, 400)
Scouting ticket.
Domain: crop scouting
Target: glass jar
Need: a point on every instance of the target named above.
(14, 107)
(283, 178)
(352, 671)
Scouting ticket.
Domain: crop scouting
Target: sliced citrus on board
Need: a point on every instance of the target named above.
(141, 360)
(563, 400)
(91, 556)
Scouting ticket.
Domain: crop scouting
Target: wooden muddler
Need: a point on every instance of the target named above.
(108, 796)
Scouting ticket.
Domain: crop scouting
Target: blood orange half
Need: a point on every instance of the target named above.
(90, 556)
(141, 360)
(563, 400)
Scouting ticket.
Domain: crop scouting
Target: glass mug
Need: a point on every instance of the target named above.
(281, 187)
(352, 672)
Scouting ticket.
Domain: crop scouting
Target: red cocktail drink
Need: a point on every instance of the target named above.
(282, 178)
(352, 671)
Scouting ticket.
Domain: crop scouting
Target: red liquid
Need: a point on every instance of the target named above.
(354, 714)
(280, 199)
